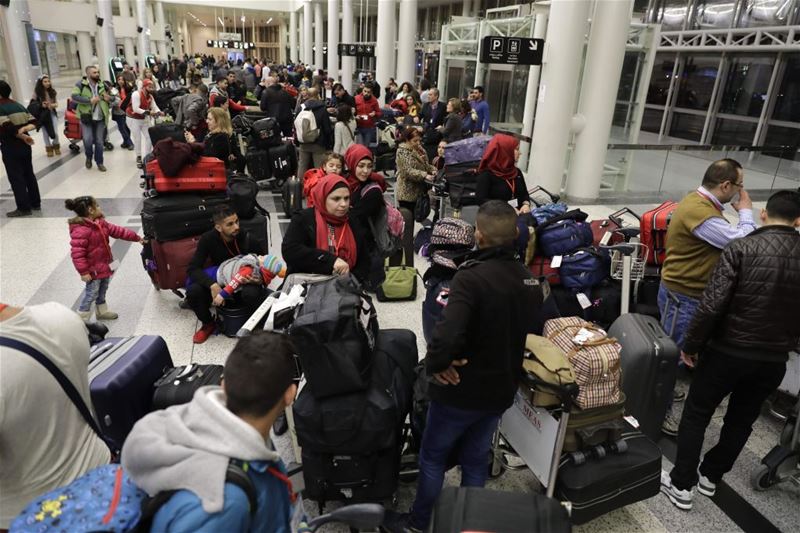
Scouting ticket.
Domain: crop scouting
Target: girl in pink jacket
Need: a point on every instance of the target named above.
(91, 253)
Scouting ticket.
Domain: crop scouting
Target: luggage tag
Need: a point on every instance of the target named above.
(605, 239)
(555, 262)
(584, 301)
(583, 336)
(114, 265)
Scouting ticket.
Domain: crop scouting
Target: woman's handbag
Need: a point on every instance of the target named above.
(400, 283)
(422, 208)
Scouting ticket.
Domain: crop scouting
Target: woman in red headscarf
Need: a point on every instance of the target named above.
(498, 175)
(319, 239)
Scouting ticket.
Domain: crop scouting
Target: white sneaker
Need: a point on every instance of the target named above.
(705, 486)
(682, 499)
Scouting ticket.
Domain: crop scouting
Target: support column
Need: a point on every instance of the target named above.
(600, 83)
(293, 53)
(384, 50)
(406, 41)
(130, 55)
(159, 19)
(105, 39)
(125, 9)
(144, 39)
(308, 54)
(556, 103)
(348, 62)
(539, 32)
(187, 40)
(19, 61)
(466, 8)
(333, 38)
(319, 36)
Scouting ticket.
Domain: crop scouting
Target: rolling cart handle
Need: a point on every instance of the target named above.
(616, 216)
(554, 198)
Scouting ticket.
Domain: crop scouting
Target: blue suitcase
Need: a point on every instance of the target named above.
(122, 375)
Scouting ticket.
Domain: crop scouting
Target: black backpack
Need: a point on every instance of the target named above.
(265, 133)
(242, 192)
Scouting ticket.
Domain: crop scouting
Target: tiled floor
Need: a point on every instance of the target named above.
(35, 267)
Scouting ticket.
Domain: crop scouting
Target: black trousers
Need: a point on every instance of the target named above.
(749, 383)
(19, 167)
(199, 299)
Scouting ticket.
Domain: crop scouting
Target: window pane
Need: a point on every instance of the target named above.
(697, 81)
(714, 14)
(672, 14)
(747, 84)
(766, 12)
(782, 136)
(685, 126)
(733, 132)
(627, 80)
(659, 80)
(651, 120)
(787, 103)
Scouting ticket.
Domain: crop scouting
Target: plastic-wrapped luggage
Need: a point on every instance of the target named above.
(258, 164)
(166, 262)
(602, 485)
(649, 359)
(469, 150)
(178, 216)
(122, 372)
(291, 196)
(478, 509)
(282, 161)
(207, 175)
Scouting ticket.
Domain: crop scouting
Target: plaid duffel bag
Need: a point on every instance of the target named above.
(594, 357)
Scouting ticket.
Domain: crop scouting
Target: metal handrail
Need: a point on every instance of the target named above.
(705, 147)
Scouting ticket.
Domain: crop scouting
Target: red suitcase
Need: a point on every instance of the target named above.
(540, 267)
(166, 262)
(207, 175)
(72, 125)
(654, 231)
(605, 231)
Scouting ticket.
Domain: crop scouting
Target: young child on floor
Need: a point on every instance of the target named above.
(91, 253)
(231, 273)
(332, 163)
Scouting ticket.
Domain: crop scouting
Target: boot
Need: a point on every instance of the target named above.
(85, 315)
(139, 162)
(49, 150)
(57, 149)
(103, 313)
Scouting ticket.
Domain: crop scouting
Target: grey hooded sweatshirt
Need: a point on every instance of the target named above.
(189, 446)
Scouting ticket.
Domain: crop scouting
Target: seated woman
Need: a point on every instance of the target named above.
(412, 169)
(414, 110)
(217, 142)
(366, 201)
(498, 175)
(320, 240)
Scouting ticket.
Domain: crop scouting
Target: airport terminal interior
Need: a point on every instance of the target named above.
(625, 103)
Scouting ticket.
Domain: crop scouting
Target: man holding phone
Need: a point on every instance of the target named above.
(697, 234)
(367, 110)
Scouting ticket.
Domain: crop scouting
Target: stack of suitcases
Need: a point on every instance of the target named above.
(177, 210)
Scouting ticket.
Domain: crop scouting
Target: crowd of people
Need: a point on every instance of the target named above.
(733, 282)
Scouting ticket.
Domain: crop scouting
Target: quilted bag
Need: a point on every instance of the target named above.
(594, 357)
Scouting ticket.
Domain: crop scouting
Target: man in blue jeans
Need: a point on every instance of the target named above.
(93, 111)
(475, 358)
(697, 234)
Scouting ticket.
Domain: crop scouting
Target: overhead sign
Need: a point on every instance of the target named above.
(356, 50)
(512, 50)
(228, 36)
(230, 44)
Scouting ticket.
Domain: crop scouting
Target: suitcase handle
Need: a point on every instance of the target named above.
(616, 216)
(553, 197)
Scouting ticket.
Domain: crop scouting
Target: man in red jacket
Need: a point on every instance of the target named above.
(367, 110)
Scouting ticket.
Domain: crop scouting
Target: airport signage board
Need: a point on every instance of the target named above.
(237, 45)
(230, 36)
(511, 50)
(356, 50)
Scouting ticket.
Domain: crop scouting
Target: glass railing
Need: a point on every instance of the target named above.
(676, 168)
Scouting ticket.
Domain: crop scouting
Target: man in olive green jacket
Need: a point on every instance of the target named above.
(93, 111)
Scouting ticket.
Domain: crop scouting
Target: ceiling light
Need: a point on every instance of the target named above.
(221, 21)
(269, 20)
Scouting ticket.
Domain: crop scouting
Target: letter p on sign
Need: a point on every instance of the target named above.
(497, 45)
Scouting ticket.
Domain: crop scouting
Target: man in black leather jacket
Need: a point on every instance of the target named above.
(277, 103)
(744, 328)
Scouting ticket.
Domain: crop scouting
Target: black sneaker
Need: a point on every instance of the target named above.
(18, 213)
(101, 168)
(37, 208)
(88, 163)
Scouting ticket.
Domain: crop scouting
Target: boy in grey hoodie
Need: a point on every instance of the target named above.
(188, 447)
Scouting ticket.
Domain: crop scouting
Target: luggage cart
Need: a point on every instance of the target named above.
(535, 434)
(782, 463)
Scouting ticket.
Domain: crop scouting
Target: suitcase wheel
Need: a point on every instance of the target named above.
(75, 148)
(577, 458)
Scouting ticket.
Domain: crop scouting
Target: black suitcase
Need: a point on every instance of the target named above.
(178, 216)
(602, 485)
(354, 478)
(258, 164)
(169, 130)
(478, 509)
(283, 161)
(257, 228)
(122, 372)
(649, 360)
(605, 299)
(233, 315)
(178, 385)
(292, 196)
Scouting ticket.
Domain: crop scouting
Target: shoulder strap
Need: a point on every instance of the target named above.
(234, 475)
(65, 383)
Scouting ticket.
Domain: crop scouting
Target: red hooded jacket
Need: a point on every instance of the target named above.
(91, 252)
